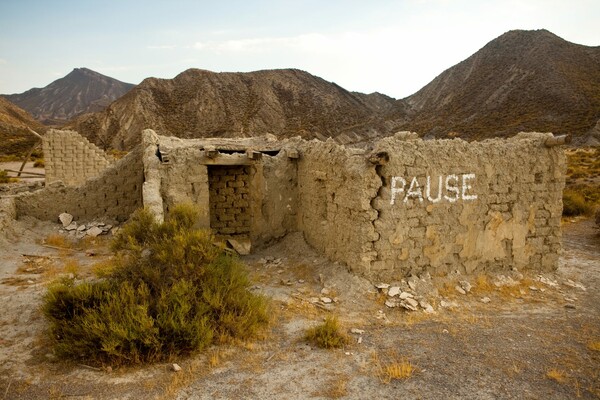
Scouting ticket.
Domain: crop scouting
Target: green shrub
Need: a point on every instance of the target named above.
(169, 291)
(327, 335)
(575, 204)
(39, 163)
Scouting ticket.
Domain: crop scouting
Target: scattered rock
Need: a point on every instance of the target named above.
(65, 219)
(393, 291)
(357, 331)
(448, 304)
(405, 295)
(382, 286)
(428, 308)
(460, 289)
(94, 231)
(465, 285)
(575, 285)
(391, 303)
(359, 340)
(533, 288)
(412, 284)
(242, 247)
(175, 368)
(71, 227)
(412, 302)
(485, 300)
(547, 281)
(81, 228)
(569, 305)
(325, 291)
(326, 300)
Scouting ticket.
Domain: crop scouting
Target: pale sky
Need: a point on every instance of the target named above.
(392, 47)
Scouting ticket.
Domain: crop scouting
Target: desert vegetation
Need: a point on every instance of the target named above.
(168, 291)
(582, 191)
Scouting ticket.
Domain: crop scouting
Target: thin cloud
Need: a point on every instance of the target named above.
(3, 61)
(161, 47)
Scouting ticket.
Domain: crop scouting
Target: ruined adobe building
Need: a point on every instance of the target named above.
(402, 207)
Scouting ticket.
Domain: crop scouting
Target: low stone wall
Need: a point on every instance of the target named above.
(71, 158)
(114, 194)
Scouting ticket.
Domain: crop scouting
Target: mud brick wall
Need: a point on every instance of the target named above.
(114, 194)
(335, 188)
(229, 199)
(432, 206)
(71, 158)
(435, 206)
(271, 186)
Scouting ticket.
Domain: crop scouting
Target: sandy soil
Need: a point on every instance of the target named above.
(533, 339)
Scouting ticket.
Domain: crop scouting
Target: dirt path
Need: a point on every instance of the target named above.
(532, 340)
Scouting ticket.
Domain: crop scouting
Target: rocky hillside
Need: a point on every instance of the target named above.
(199, 103)
(81, 91)
(14, 135)
(521, 81)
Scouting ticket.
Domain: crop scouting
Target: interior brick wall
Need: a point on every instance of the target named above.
(229, 199)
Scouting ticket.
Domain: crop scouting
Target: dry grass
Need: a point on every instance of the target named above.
(335, 388)
(395, 368)
(557, 375)
(57, 240)
(327, 335)
(594, 345)
(214, 358)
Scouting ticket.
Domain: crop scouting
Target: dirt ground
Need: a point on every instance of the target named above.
(520, 336)
(16, 165)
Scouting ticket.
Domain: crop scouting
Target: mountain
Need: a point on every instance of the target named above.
(520, 81)
(81, 91)
(15, 138)
(199, 103)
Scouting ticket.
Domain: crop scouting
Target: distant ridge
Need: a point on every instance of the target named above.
(81, 91)
(15, 138)
(520, 81)
(200, 103)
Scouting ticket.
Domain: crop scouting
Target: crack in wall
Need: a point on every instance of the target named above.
(378, 210)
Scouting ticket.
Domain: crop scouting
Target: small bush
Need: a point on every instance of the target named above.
(169, 291)
(575, 204)
(327, 335)
(39, 163)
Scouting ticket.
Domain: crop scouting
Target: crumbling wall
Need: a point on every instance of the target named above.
(450, 205)
(402, 207)
(335, 189)
(255, 197)
(71, 158)
(411, 205)
(115, 194)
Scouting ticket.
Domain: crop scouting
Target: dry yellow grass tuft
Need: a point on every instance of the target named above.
(594, 345)
(214, 358)
(396, 368)
(57, 240)
(71, 266)
(557, 375)
(337, 387)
